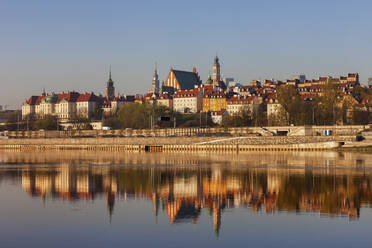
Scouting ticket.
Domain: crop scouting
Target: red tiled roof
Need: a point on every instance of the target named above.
(240, 100)
(87, 97)
(68, 96)
(38, 100)
(187, 93)
(164, 96)
(32, 100)
(214, 93)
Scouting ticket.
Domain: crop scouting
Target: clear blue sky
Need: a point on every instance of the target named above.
(69, 45)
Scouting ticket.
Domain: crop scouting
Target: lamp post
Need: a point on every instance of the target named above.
(333, 108)
(313, 116)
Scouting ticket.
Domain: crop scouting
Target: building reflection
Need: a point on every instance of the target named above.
(184, 192)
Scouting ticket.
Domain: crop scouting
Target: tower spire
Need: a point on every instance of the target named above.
(110, 73)
(110, 89)
(155, 80)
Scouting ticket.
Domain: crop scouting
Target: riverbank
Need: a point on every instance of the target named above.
(179, 144)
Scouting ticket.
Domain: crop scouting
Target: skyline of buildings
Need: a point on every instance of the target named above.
(185, 92)
(171, 80)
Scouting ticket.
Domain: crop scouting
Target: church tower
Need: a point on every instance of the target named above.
(110, 89)
(216, 71)
(155, 81)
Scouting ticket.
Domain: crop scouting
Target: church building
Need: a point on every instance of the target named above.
(181, 80)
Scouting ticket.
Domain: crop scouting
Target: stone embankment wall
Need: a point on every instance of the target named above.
(171, 132)
(179, 144)
(249, 140)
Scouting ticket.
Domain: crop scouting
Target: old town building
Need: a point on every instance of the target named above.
(214, 100)
(166, 100)
(188, 101)
(236, 104)
(86, 104)
(65, 107)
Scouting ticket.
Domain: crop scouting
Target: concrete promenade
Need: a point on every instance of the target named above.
(182, 132)
(188, 139)
(170, 144)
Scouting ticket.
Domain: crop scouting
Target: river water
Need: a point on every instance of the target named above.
(107, 199)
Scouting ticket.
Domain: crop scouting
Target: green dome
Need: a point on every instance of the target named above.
(209, 80)
(51, 98)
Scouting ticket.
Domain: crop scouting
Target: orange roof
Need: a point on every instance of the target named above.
(187, 93)
(69, 96)
(165, 96)
(87, 97)
(240, 100)
(32, 100)
(39, 98)
(212, 94)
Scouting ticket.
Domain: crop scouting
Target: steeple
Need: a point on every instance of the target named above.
(110, 74)
(110, 89)
(110, 83)
(216, 60)
(216, 71)
(161, 88)
(155, 80)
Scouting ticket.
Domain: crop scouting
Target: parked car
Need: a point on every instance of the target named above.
(106, 128)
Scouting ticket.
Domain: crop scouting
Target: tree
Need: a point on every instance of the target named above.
(80, 123)
(360, 117)
(97, 113)
(292, 103)
(141, 116)
(48, 122)
(243, 118)
(112, 122)
(13, 122)
(328, 104)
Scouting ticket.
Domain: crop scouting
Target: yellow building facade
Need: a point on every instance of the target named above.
(214, 101)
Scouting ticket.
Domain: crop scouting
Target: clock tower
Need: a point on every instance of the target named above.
(216, 71)
(110, 89)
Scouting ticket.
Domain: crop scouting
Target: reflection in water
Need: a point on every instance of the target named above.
(184, 191)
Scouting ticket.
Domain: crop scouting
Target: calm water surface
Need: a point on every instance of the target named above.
(88, 199)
